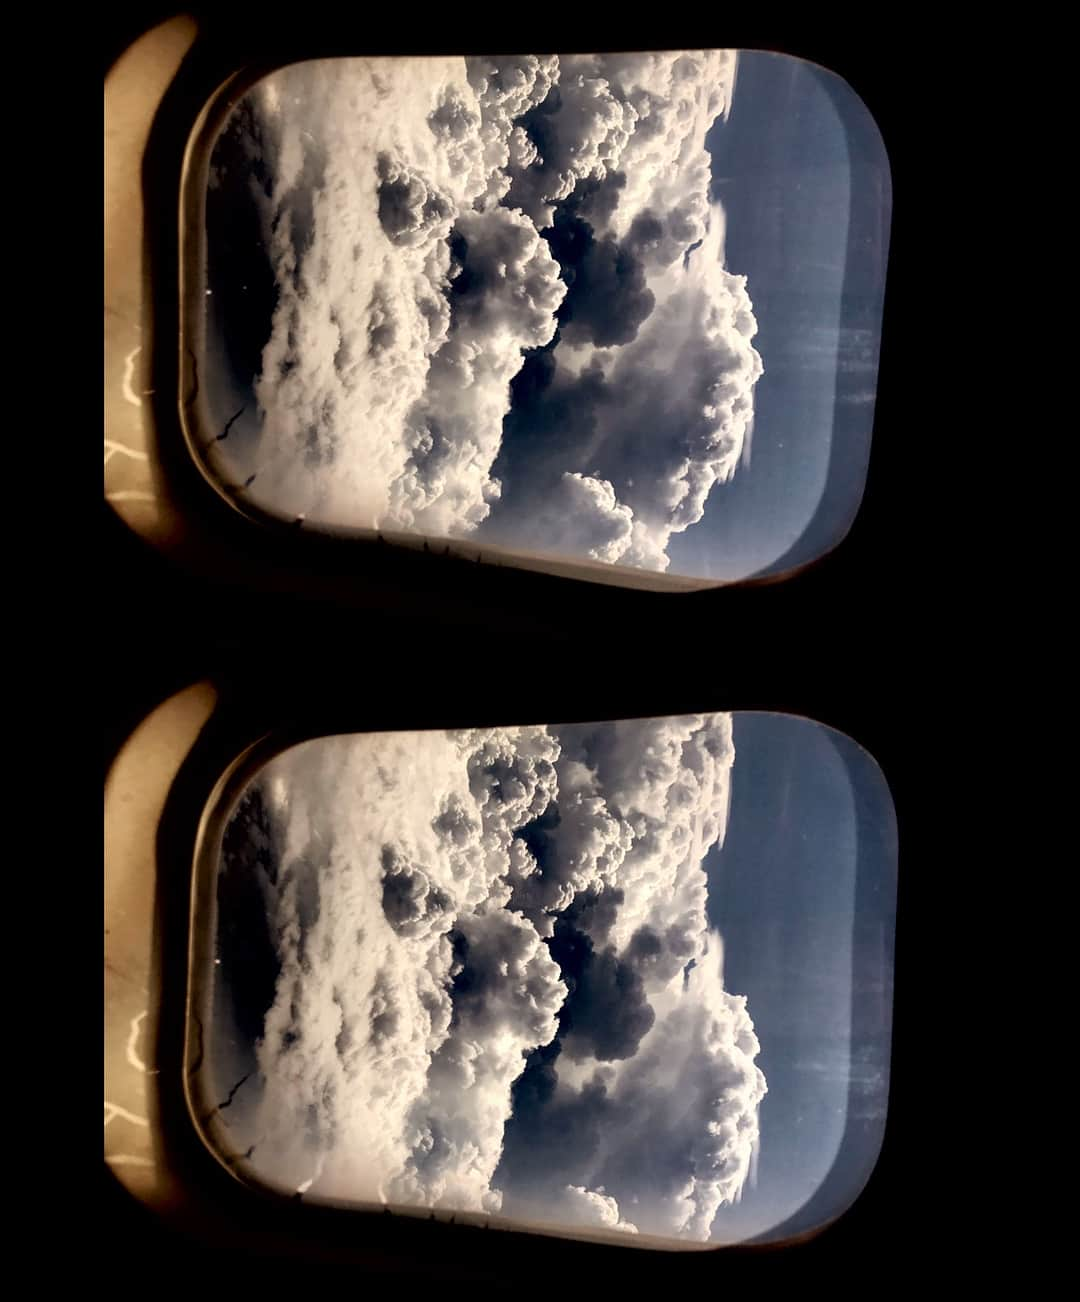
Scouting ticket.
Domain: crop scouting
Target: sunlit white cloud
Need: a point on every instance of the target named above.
(407, 223)
(413, 917)
(581, 1206)
(656, 422)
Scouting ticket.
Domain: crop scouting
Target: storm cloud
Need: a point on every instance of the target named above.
(434, 224)
(650, 426)
(669, 1134)
(480, 937)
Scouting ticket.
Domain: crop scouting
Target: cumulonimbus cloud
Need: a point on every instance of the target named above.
(431, 224)
(461, 919)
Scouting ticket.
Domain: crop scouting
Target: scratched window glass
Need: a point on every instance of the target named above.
(618, 310)
(629, 979)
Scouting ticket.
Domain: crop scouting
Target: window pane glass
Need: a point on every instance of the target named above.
(621, 310)
(629, 978)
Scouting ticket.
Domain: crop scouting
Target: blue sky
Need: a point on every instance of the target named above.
(804, 891)
(801, 171)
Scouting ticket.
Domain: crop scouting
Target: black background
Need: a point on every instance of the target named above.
(865, 641)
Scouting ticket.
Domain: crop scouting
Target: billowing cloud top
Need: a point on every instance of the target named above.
(435, 223)
(497, 990)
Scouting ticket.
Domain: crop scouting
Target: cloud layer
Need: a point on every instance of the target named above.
(432, 224)
(497, 989)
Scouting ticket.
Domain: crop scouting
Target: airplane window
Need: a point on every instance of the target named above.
(616, 310)
(626, 979)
